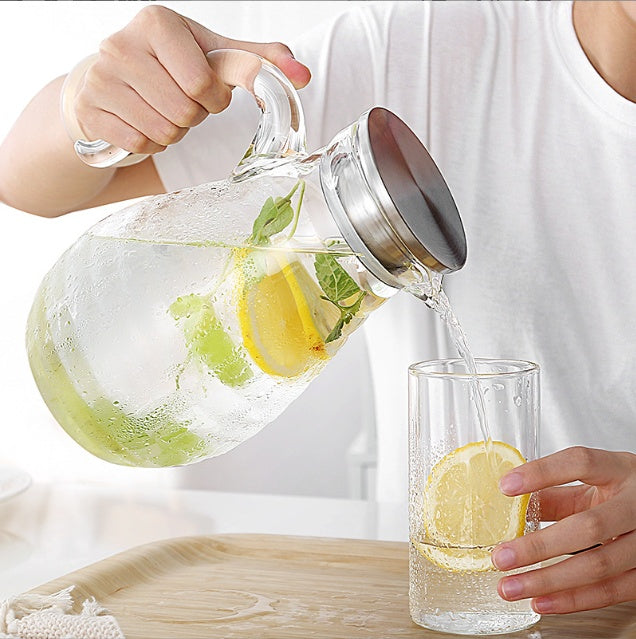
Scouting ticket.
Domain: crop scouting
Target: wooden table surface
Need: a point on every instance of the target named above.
(249, 585)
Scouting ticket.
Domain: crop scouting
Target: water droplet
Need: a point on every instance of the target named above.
(517, 400)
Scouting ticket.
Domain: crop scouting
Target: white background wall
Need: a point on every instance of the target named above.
(304, 451)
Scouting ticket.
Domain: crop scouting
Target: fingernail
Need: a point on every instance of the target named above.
(511, 483)
(543, 605)
(511, 588)
(503, 558)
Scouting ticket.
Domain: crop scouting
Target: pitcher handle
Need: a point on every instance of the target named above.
(280, 132)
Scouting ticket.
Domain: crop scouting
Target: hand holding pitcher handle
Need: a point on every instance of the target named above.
(281, 129)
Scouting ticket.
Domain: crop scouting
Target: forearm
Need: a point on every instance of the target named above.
(39, 171)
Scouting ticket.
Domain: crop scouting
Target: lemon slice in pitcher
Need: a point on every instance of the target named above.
(282, 317)
(465, 513)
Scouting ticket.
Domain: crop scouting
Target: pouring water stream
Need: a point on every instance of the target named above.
(430, 291)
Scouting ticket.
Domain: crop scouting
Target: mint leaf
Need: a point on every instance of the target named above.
(336, 331)
(284, 215)
(268, 212)
(354, 308)
(336, 283)
(338, 286)
(275, 215)
(273, 218)
(347, 313)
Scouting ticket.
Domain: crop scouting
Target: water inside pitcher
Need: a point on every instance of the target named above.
(178, 327)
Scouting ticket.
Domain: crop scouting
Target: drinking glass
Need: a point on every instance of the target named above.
(466, 429)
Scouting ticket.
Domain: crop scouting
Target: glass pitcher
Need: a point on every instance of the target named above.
(176, 328)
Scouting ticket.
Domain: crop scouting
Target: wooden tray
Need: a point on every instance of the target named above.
(262, 586)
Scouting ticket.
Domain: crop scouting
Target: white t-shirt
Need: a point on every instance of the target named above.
(540, 155)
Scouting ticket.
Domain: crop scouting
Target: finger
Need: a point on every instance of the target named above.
(590, 597)
(280, 55)
(178, 52)
(127, 105)
(589, 465)
(158, 44)
(113, 129)
(576, 532)
(560, 502)
(197, 80)
(592, 566)
(157, 88)
(277, 53)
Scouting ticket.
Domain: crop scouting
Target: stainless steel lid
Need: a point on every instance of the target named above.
(394, 207)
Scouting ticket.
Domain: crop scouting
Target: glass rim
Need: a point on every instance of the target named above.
(522, 367)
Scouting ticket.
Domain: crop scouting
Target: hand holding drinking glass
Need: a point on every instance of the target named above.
(595, 520)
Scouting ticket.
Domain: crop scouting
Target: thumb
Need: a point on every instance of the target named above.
(277, 53)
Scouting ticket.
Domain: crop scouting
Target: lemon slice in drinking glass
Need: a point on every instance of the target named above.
(465, 513)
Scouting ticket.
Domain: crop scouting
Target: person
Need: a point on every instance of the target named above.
(529, 110)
